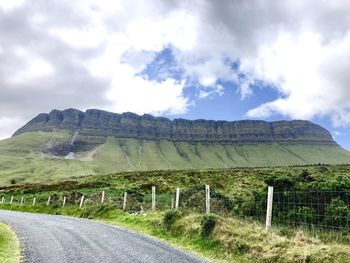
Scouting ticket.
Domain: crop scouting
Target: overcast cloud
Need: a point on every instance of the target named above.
(89, 53)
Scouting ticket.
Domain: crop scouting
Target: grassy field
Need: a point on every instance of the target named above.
(22, 158)
(9, 245)
(233, 239)
(233, 182)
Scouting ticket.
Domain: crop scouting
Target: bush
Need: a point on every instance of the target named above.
(194, 197)
(73, 198)
(12, 181)
(322, 169)
(337, 214)
(302, 215)
(170, 217)
(134, 200)
(305, 176)
(281, 182)
(208, 224)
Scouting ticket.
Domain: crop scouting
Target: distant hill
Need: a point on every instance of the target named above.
(68, 143)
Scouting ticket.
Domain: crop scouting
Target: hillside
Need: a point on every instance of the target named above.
(69, 143)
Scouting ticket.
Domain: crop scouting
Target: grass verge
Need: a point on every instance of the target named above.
(230, 240)
(9, 245)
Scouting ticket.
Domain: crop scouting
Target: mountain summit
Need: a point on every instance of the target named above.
(73, 143)
(130, 125)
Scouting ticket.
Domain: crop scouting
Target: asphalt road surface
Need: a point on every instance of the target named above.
(47, 238)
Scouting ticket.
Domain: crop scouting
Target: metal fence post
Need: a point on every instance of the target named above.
(11, 200)
(207, 199)
(34, 200)
(153, 198)
(22, 199)
(269, 208)
(48, 200)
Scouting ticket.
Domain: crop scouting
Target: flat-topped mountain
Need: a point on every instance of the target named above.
(68, 143)
(130, 125)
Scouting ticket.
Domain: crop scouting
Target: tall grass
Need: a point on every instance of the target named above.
(9, 245)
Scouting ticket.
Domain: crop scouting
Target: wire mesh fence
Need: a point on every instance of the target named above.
(327, 210)
(313, 209)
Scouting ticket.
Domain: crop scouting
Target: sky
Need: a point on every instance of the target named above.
(206, 59)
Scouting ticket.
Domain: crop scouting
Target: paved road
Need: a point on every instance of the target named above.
(46, 238)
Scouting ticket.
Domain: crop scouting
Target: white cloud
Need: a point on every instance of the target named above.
(94, 50)
(137, 94)
(7, 5)
(217, 89)
(8, 125)
(337, 133)
(301, 68)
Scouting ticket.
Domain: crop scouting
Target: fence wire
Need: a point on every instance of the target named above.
(328, 210)
(312, 209)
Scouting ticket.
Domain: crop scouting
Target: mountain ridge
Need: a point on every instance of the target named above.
(95, 122)
(70, 143)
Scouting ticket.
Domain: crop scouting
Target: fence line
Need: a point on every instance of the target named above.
(307, 209)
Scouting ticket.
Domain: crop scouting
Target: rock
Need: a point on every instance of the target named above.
(130, 125)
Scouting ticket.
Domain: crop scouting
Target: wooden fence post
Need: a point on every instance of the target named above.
(153, 198)
(34, 200)
(3, 200)
(11, 200)
(124, 201)
(81, 201)
(269, 208)
(64, 201)
(103, 197)
(177, 198)
(207, 199)
(22, 199)
(48, 200)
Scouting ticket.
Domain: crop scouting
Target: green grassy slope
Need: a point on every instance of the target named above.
(22, 157)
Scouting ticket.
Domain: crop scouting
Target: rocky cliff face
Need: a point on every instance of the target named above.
(129, 125)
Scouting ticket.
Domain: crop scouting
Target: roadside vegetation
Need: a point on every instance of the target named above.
(225, 236)
(9, 245)
(217, 238)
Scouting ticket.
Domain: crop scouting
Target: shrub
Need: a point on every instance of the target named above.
(134, 200)
(305, 176)
(208, 224)
(13, 181)
(302, 215)
(170, 217)
(73, 198)
(337, 214)
(194, 197)
(322, 169)
(281, 182)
